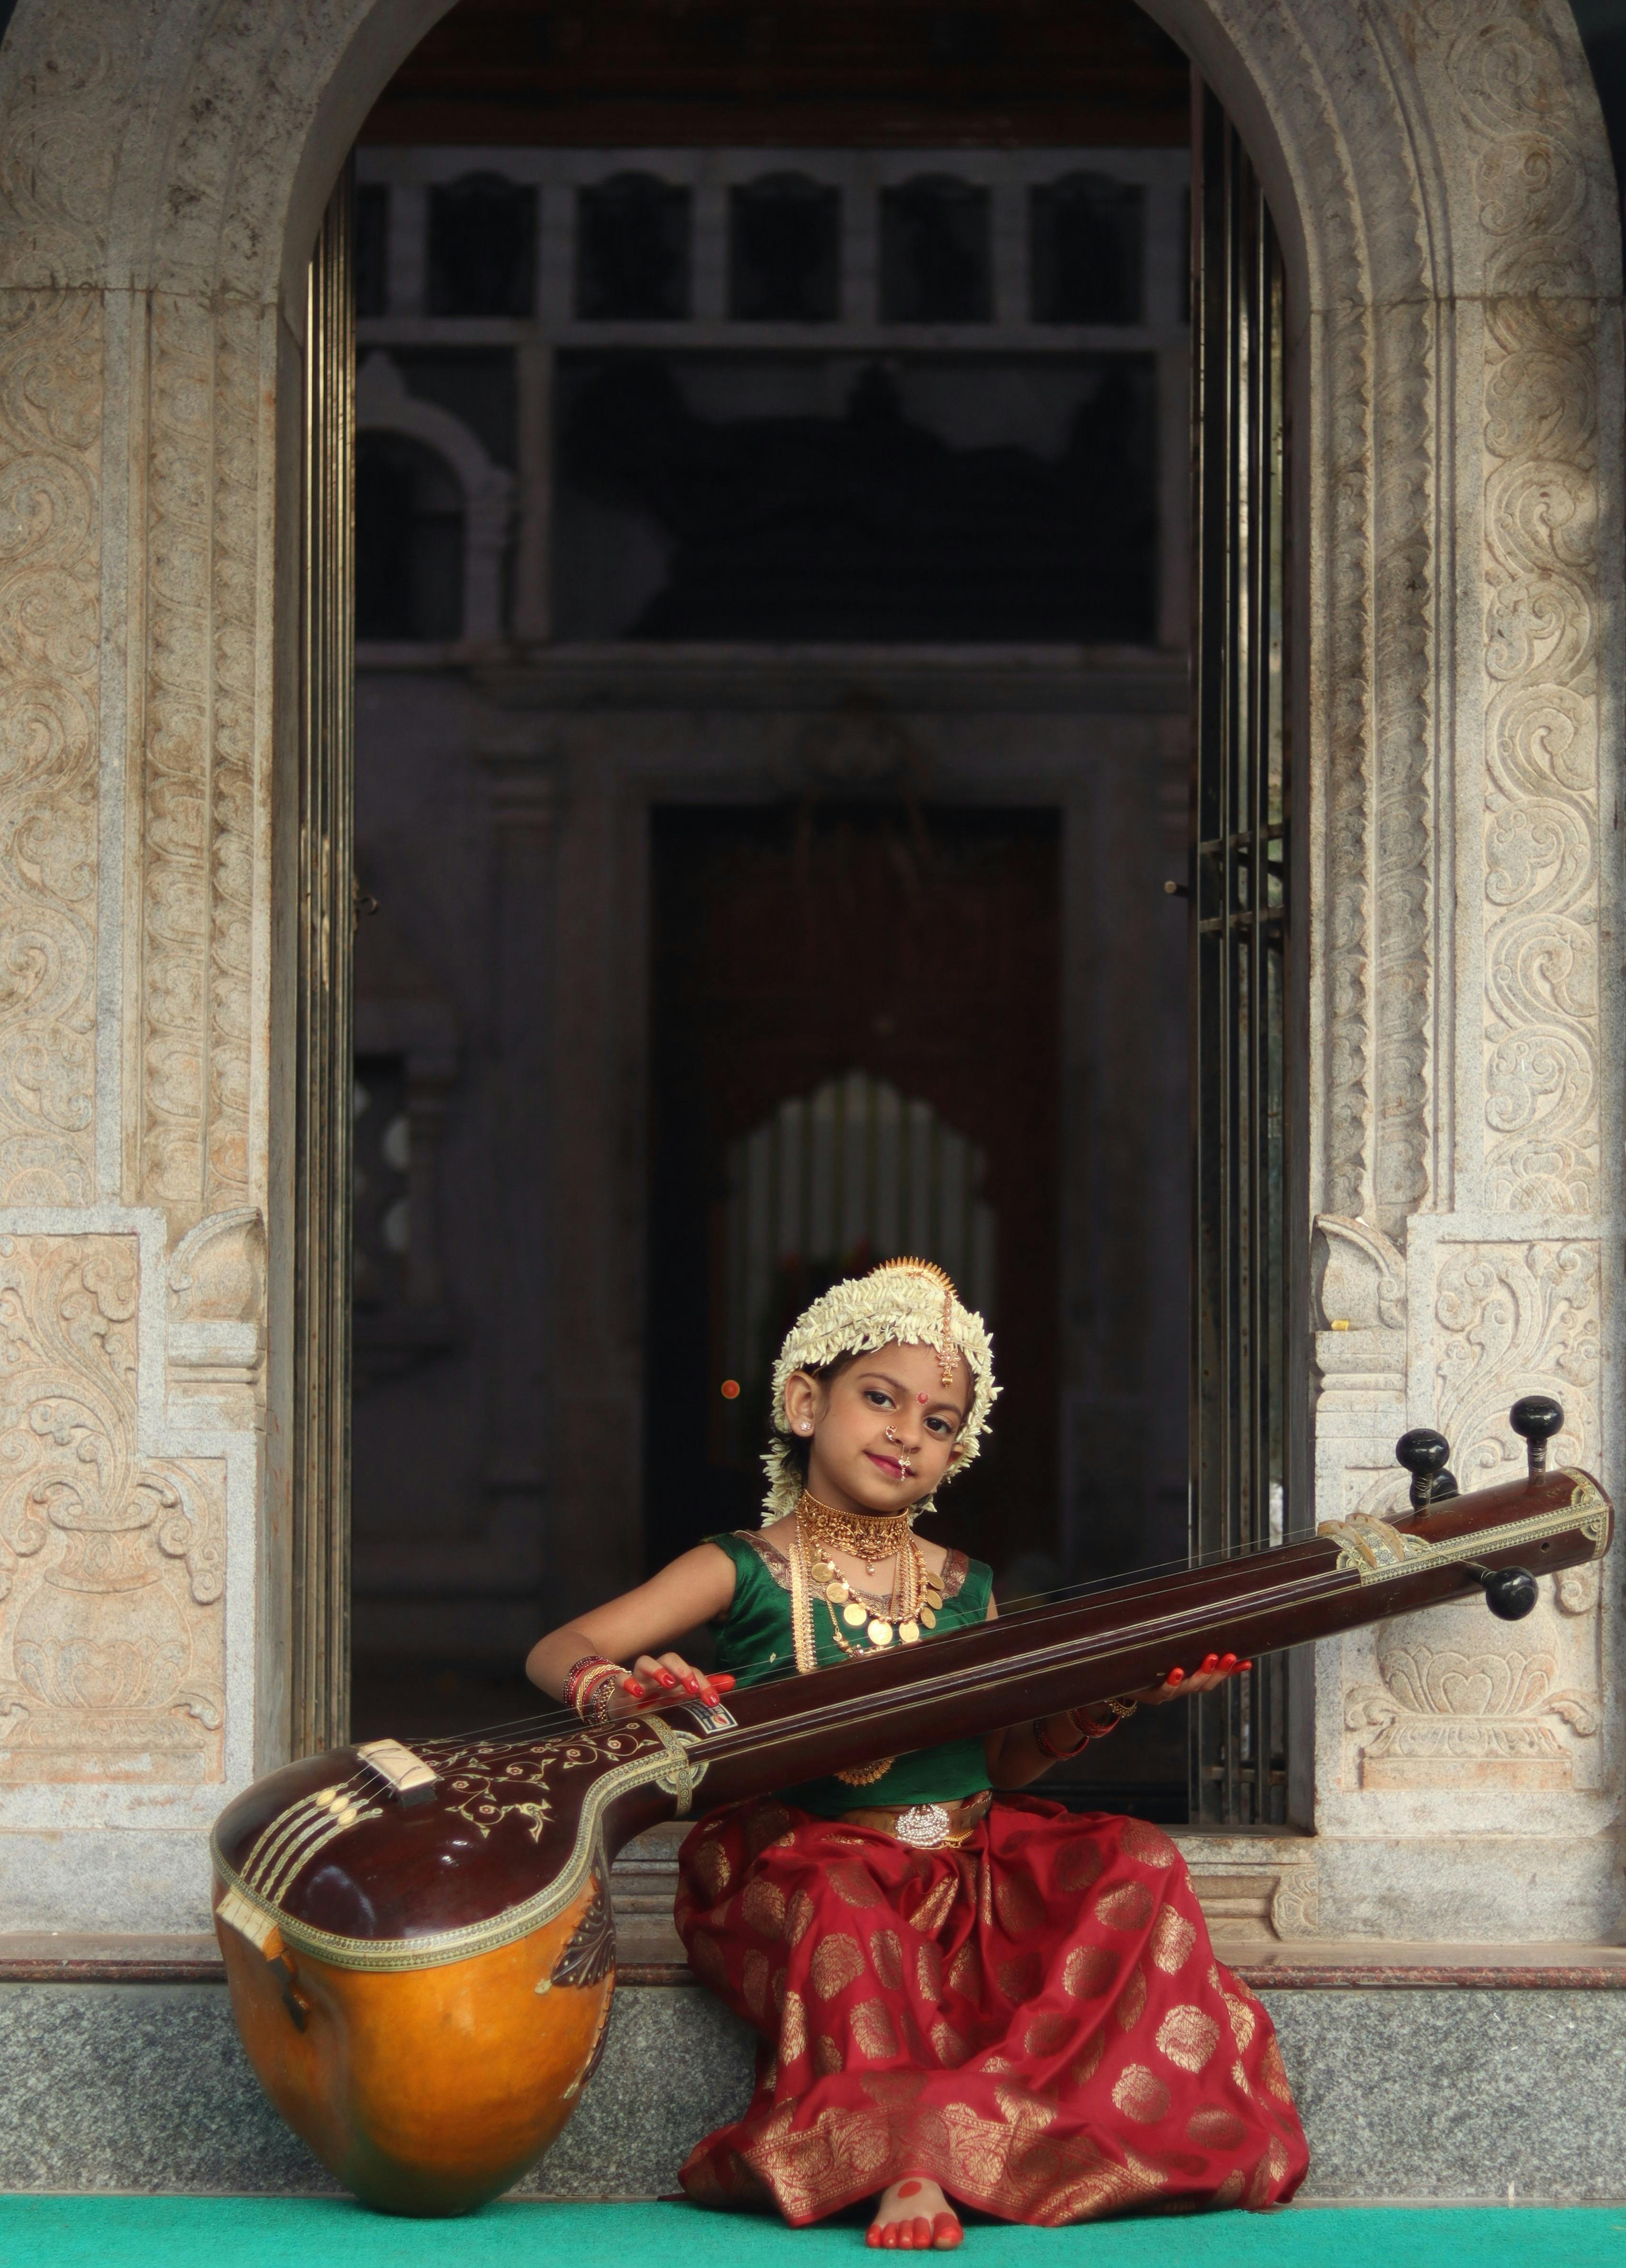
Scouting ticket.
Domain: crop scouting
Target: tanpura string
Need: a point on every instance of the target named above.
(853, 1713)
(1028, 1609)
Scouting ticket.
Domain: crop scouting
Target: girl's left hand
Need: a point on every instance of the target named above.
(1213, 1670)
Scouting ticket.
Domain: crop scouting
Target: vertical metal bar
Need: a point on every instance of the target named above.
(1238, 815)
(1246, 1790)
(323, 1167)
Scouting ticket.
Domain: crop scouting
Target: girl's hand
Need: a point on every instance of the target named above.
(1213, 1670)
(654, 1680)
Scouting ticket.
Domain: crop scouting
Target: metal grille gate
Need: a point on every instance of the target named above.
(319, 1676)
(1239, 932)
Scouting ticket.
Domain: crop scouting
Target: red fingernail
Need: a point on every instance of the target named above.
(1227, 1661)
(1244, 1665)
(691, 1683)
(1175, 1678)
(665, 1677)
(631, 1685)
(1210, 1661)
(723, 1681)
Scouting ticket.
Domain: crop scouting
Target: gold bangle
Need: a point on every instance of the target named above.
(593, 1697)
(1122, 1709)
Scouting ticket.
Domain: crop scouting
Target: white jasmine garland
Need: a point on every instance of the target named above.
(899, 1303)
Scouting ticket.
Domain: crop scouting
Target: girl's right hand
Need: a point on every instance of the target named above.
(655, 1680)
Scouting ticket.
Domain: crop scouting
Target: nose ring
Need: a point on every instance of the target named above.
(891, 1436)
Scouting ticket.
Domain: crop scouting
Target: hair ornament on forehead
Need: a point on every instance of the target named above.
(909, 1302)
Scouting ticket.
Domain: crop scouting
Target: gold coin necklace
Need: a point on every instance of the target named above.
(914, 1595)
(922, 1595)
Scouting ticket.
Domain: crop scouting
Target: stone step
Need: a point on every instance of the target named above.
(1431, 2091)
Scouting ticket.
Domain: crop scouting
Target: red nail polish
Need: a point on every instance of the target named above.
(691, 1683)
(723, 1681)
(666, 1678)
(631, 1685)
(1244, 1665)
(1227, 1661)
(1210, 1661)
(1175, 1678)
(710, 1698)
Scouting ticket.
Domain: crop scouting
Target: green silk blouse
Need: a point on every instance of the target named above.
(754, 1642)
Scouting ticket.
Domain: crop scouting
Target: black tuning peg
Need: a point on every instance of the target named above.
(1536, 1417)
(1510, 1591)
(1423, 1453)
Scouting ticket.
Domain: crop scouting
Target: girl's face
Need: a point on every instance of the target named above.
(883, 1431)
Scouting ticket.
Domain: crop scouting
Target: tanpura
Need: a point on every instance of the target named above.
(419, 1940)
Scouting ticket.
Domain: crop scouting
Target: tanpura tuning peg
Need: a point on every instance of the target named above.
(1536, 1417)
(1510, 1591)
(1423, 1453)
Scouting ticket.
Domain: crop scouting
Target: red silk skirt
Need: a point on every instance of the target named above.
(1035, 2020)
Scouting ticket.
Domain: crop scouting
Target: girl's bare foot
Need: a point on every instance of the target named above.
(914, 2216)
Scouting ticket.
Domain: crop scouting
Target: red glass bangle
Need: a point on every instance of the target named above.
(587, 1688)
(1047, 1746)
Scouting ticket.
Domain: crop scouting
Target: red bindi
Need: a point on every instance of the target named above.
(920, 1397)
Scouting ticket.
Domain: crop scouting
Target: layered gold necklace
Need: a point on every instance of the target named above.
(914, 1595)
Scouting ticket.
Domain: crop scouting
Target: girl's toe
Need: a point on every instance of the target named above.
(946, 2231)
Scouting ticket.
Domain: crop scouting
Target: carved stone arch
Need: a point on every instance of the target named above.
(1439, 175)
(383, 404)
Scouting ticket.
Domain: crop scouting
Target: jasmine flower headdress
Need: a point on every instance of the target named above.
(905, 1302)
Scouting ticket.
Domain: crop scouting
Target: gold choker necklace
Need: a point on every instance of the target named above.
(915, 1595)
(868, 1535)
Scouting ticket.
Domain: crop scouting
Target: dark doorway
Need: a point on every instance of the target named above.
(854, 1049)
(778, 879)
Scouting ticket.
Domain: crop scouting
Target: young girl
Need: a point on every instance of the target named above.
(960, 1994)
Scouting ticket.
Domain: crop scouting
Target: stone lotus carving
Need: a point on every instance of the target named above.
(114, 1664)
(1450, 1717)
(1451, 1712)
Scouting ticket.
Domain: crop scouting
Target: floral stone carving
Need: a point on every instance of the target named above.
(1452, 1717)
(1464, 1702)
(112, 1565)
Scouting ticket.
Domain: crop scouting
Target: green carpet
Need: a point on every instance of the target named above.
(123, 2232)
